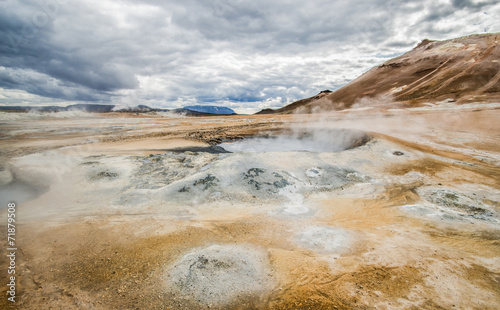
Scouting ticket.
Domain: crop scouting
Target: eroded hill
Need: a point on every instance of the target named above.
(465, 69)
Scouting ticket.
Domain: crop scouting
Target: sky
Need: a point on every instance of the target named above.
(246, 55)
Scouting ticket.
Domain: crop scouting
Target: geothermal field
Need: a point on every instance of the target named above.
(361, 208)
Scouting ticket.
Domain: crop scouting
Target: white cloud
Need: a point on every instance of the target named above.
(247, 55)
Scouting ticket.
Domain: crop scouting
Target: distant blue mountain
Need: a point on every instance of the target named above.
(194, 110)
(210, 109)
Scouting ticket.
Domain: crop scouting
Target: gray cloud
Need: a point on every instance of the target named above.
(469, 4)
(246, 54)
(44, 85)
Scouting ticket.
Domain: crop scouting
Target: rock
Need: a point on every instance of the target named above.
(457, 202)
(103, 175)
(260, 179)
(207, 182)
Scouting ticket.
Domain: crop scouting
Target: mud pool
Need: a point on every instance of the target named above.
(327, 218)
(317, 140)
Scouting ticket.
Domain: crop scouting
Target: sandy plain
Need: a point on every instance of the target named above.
(138, 211)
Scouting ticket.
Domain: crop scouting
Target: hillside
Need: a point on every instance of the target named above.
(105, 108)
(465, 69)
(210, 109)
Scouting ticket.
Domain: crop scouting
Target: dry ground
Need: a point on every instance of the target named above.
(396, 260)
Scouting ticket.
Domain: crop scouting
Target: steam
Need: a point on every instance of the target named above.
(308, 139)
(16, 186)
(382, 100)
(420, 124)
(127, 102)
(36, 114)
(169, 114)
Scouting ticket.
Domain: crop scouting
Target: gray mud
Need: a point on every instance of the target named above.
(220, 274)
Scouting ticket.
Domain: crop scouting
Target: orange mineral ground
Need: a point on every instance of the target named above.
(371, 209)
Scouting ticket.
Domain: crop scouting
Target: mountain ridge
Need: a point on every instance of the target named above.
(107, 108)
(211, 109)
(465, 69)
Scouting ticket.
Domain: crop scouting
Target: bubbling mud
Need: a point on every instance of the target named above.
(339, 223)
(219, 274)
(324, 140)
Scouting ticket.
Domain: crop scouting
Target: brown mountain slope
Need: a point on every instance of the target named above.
(465, 69)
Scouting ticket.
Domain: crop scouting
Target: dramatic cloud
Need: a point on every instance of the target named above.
(247, 55)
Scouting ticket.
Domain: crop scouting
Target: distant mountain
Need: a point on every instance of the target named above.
(210, 109)
(139, 109)
(90, 107)
(297, 104)
(75, 107)
(465, 69)
(189, 112)
(105, 108)
(30, 108)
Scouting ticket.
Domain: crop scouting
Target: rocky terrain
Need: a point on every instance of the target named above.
(461, 70)
(370, 209)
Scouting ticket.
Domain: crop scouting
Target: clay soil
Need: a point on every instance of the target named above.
(100, 260)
